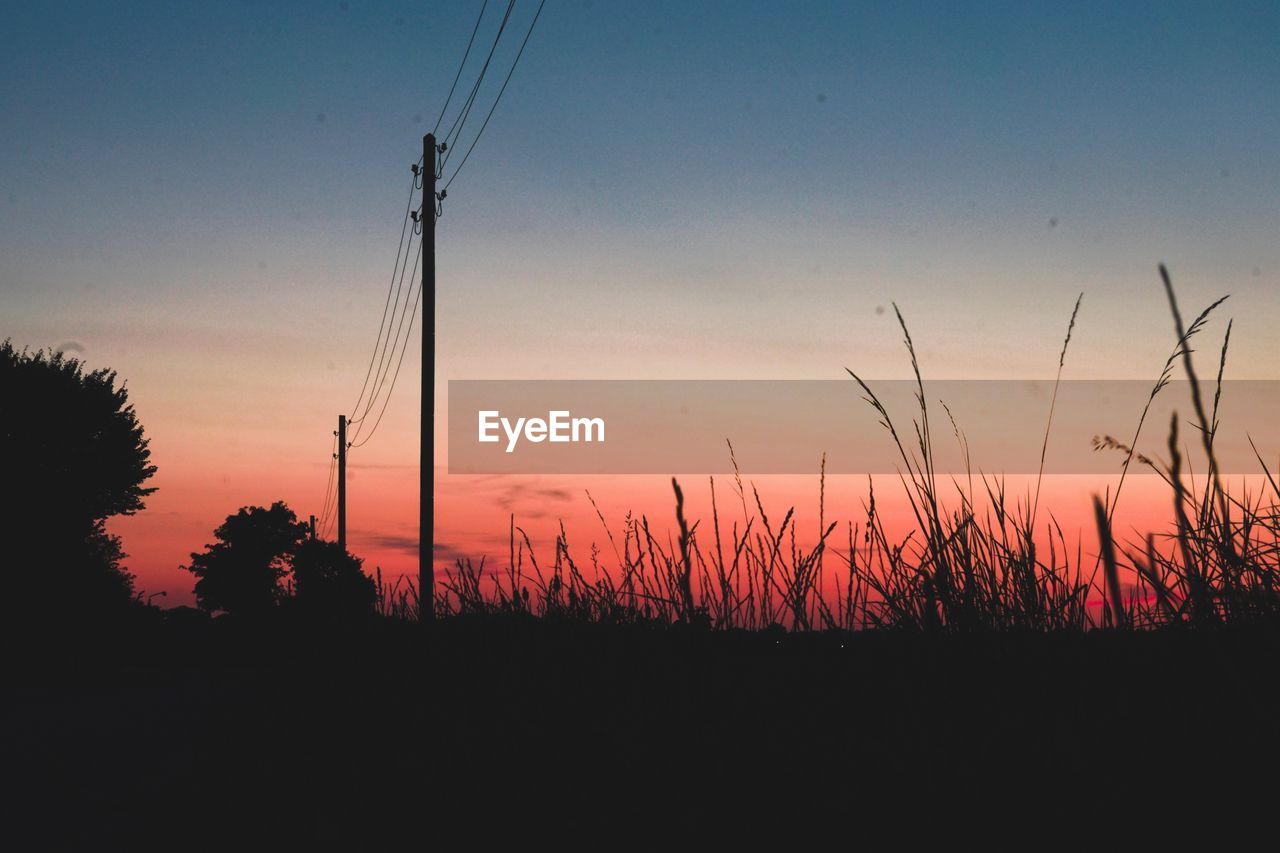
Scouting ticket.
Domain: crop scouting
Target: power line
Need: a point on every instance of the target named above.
(388, 349)
(464, 112)
(461, 120)
(391, 343)
(328, 489)
(394, 312)
(514, 63)
(461, 65)
(403, 349)
(387, 303)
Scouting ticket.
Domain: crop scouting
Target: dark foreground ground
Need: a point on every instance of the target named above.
(216, 736)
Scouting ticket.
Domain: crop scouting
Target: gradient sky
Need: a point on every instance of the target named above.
(207, 198)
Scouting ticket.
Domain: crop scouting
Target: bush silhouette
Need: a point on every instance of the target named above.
(241, 572)
(75, 456)
(328, 581)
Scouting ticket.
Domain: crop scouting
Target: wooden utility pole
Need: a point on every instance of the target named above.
(427, 432)
(342, 482)
(311, 528)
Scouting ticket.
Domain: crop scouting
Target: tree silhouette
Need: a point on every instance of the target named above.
(328, 581)
(241, 572)
(74, 455)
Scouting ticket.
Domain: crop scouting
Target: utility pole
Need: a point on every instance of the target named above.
(311, 528)
(342, 482)
(427, 432)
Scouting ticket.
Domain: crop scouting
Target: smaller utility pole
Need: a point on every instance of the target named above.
(342, 482)
(311, 528)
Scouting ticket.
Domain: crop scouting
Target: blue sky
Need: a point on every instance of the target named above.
(714, 164)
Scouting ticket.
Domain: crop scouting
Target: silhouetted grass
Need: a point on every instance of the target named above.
(978, 563)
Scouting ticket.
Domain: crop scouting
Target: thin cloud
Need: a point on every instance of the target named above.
(522, 493)
(393, 542)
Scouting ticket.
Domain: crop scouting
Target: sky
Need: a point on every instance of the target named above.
(208, 198)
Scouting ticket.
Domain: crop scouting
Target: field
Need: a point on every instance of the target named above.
(975, 559)
(978, 678)
(209, 735)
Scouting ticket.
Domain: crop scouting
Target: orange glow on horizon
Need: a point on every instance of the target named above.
(474, 512)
